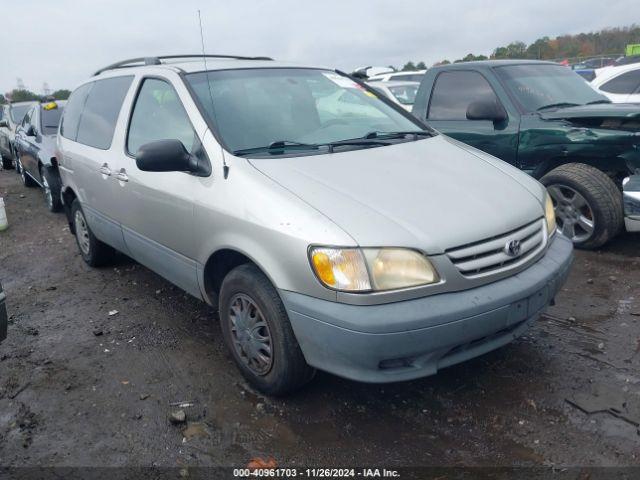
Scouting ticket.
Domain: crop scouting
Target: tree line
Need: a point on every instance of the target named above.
(609, 41)
(24, 95)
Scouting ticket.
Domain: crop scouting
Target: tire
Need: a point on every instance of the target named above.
(27, 181)
(582, 194)
(286, 369)
(94, 252)
(51, 187)
(7, 164)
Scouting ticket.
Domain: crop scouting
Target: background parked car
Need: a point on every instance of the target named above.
(402, 93)
(3, 314)
(627, 60)
(12, 115)
(415, 76)
(35, 144)
(593, 63)
(619, 84)
(544, 119)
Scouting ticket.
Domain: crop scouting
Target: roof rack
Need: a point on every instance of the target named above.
(138, 62)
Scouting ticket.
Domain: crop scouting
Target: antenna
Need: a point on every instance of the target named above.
(225, 167)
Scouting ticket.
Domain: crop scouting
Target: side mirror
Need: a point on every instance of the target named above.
(4, 124)
(31, 132)
(168, 156)
(486, 110)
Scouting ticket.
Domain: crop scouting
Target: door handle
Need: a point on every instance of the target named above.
(122, 175)
(105, 170)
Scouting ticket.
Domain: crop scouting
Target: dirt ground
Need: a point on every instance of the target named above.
(82, 386)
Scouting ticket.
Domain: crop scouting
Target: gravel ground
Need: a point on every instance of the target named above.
(95, 358)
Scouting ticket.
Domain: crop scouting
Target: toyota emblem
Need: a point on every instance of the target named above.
(512, 248)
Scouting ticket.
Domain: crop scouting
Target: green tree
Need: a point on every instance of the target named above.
(18, 95)
(3, 100)
(421, 66)
(61, 94)
(471, 58)
(409, 67)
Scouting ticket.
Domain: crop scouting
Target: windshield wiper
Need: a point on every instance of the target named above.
(371, 142)
(558, 105)
(275, 147)
(399, 134)
(596, 102)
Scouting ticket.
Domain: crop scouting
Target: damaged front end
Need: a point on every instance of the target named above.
(606, 136)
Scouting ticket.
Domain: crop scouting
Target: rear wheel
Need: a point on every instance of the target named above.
(51, 189)
(587, 203)
(93, 251)
(256, 329)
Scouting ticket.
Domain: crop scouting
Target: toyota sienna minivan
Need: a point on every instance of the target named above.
(330, 228)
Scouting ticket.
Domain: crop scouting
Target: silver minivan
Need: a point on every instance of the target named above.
(330, 228)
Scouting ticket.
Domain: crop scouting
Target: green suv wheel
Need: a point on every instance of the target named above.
(587, 203)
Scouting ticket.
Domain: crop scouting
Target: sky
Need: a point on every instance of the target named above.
(62, 42)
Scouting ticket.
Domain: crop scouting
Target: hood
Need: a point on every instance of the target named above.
(428, 194)
(600, 110)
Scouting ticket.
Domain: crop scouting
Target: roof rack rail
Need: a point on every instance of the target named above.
(137, 62)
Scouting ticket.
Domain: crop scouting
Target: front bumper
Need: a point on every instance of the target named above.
(423, 335)
(3, 315)
(631, 198)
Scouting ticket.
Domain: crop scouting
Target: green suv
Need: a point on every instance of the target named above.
(546, 120)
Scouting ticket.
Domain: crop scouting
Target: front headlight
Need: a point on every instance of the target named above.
(361, 270)
(549, 214)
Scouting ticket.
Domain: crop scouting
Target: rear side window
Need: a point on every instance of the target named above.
(101, 110)
(625, 83)
(158, 114)
(72, 112)
(454, 91)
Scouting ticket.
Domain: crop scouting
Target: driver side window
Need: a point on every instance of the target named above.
(454, 91)
(158, 114)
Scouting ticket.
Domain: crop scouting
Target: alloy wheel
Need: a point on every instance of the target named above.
(250, 334)
(82, 232)
(23, 175)
(573, 213)
(48, 196)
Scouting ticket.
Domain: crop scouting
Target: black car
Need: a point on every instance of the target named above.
(36, 150)
(3, 315)
(10, 117)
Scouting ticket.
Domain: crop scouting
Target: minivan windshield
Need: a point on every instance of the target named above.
(302, 108)
(543, 86)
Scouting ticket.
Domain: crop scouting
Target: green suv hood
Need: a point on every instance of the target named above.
(601, 110)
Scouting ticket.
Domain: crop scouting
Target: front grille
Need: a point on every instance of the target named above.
(491, 255)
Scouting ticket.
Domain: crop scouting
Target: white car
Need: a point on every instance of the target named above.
(402, 93)
(620, 84)
(415, 76)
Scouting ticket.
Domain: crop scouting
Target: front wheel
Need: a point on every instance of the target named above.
(27, 181)
(587, 203)
(51, 189)
(256, 329)
(6, 163)
(94, 252)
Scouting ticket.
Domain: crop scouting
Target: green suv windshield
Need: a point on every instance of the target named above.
(546, 86)
(254, 109)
